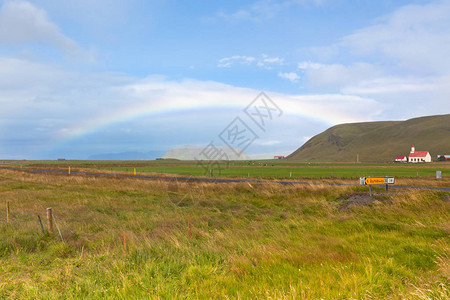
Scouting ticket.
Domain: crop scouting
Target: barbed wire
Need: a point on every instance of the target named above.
(63, 223)
(57, 227)
(29, 212)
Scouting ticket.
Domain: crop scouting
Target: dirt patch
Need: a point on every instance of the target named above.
(362, 199)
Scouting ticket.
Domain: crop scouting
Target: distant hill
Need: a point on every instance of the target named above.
(193, 152)
(377, 141)
(127, 156)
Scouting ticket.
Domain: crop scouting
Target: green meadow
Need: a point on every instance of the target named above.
(259, 169)
(125, 238)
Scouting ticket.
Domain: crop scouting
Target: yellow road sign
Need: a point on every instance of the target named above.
(379, 180)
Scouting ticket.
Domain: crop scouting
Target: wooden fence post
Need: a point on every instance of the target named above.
(7, 212)
(50, 220)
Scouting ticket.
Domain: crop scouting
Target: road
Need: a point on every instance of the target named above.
(214, 180)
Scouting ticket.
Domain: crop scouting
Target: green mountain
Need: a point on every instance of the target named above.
(377, 141)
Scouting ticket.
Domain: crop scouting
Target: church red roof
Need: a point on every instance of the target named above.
(418, 154)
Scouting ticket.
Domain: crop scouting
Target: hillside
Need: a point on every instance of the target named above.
(377, 141)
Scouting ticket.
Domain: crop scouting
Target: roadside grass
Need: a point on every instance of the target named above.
(246, 240)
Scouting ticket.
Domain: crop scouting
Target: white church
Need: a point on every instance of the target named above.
(418, 156)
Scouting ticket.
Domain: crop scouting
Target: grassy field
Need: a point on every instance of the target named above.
(270, 169)
(244, 240)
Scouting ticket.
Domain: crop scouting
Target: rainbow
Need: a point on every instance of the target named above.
(161, 98)
(84, 128)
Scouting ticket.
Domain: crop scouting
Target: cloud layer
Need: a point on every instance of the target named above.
(21, 22)
(59, 105)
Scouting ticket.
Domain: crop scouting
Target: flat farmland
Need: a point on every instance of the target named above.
(270, 169)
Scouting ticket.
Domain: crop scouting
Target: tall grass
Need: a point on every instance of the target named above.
(247, 240)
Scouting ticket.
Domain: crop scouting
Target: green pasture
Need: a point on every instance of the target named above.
(264, 169)
(281, 172)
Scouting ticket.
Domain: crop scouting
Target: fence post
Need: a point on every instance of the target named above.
(50, 220)
(42, 226)
(7, 212)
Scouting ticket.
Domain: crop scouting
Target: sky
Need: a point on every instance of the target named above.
(81, 78)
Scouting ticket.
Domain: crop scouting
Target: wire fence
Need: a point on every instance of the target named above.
(14, 216)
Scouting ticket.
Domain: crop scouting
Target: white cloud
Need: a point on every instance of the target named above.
(291, 76)
(21, 22)
(305, 65)
(333, 108)
(403, 60)
(272, 60)
(416, 37)
(226, 62)
(265, 9)
(18, 75)
(391, 85)
(403, 53)
(267, 62)
(391, 92)
(97, 13)
(338, 76)
(263, 61)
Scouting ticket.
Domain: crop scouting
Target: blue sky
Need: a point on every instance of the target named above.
(85, 77)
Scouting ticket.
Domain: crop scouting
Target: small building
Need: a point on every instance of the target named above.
(278, 157)
(418, 156)
(401, 158)
(443, 157)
